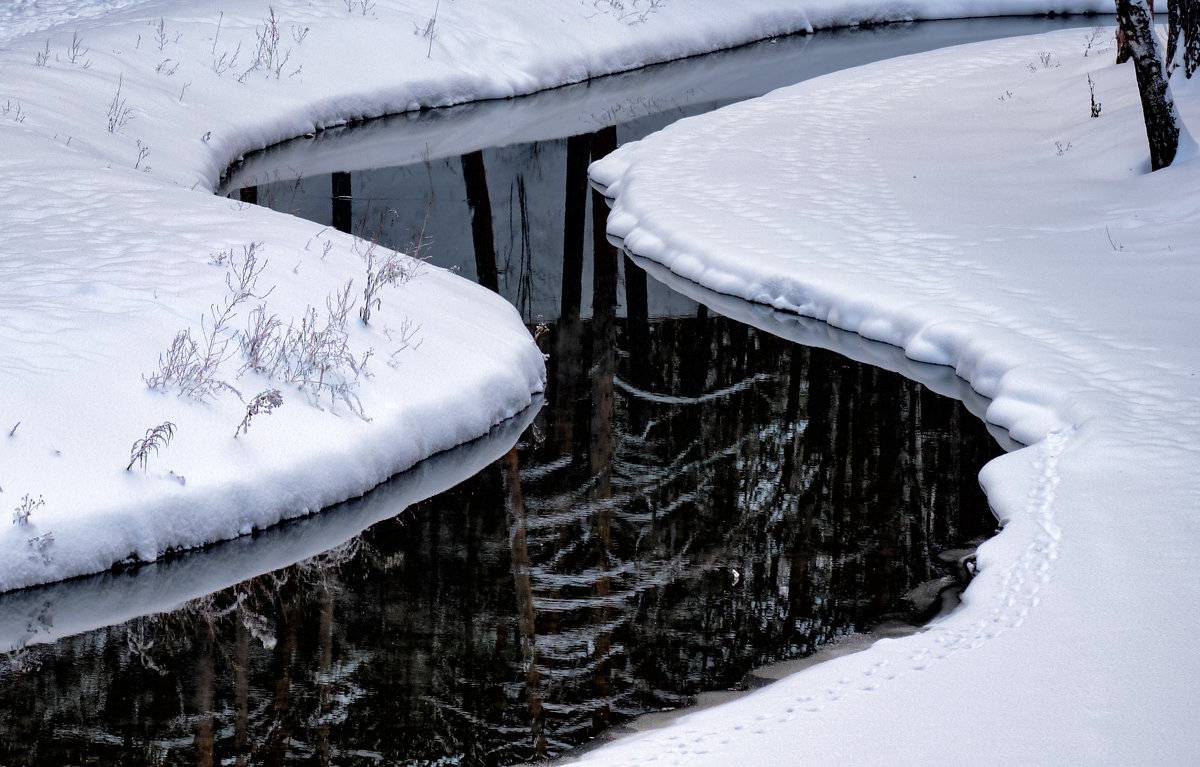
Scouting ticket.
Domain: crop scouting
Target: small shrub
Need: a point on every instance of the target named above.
(156, 438)
(28, 506)
(193, 367)
(629, 11)
(312, 354)
(143, 155)
(227, 61)
(13, 112)
(1047, 61)
(1090, 40)
(264, 402)
(76, 51)
(387, 269)
(391, 268)
(429, 30)
(260, 342)
(268, 55)
(407, 340)
(160, 34)
(119, 111)
(42, 57)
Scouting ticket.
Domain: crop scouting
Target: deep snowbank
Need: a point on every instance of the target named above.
(962, 205)
(117, 119)
(48, 613)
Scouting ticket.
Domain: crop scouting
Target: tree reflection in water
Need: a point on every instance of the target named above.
(696, 499)
(715, 501)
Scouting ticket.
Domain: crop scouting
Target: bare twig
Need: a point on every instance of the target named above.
(119, 111)
(76, 51)
(158, 437)
(28, 506)
(192, 368)
(217, 36)
(263, 402)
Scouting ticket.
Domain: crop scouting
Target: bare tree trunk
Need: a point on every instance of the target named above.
(1158, 107)
(514, 501)
(475, 176)
(568, 353)
(574, 222)
(1183, 37)
(324, 685)
(241, 695)
(1123, 51)
(341, 199)
(205, 738)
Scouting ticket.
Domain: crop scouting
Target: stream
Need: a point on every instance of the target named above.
(706, 487)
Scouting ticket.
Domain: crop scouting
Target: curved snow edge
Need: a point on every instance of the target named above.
(45, 614)
(959, 346)
(1035, 413)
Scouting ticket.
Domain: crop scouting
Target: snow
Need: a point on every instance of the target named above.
(48, 613)
(118, 119)
(1049, 271)
(963, 206)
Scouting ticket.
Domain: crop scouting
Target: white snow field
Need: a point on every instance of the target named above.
(117, 119)
(964, 206)
(960, 205)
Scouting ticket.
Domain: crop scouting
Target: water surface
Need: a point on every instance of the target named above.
(697, 498)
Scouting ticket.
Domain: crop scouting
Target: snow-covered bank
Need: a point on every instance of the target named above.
(116, 126)
(117, 119)
(48, 613)
(964, 206)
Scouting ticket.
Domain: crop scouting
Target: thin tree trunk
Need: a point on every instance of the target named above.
(341, 199)
(568, 353)
(574, 223)
(205, 738)
(1183, 36)
(1123, 50)
(604, 333)
(481, 220)
(514, 501)
(241, 695)
(1158, 107)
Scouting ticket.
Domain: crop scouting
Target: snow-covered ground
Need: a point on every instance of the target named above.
(117, 119)
(963, 205)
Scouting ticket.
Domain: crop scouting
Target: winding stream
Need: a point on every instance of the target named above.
(696, 497)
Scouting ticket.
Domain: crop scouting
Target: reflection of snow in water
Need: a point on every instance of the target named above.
(562, 589)
(49, 613)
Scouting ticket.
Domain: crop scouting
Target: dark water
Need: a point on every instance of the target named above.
(696, 498)
(498, 187)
